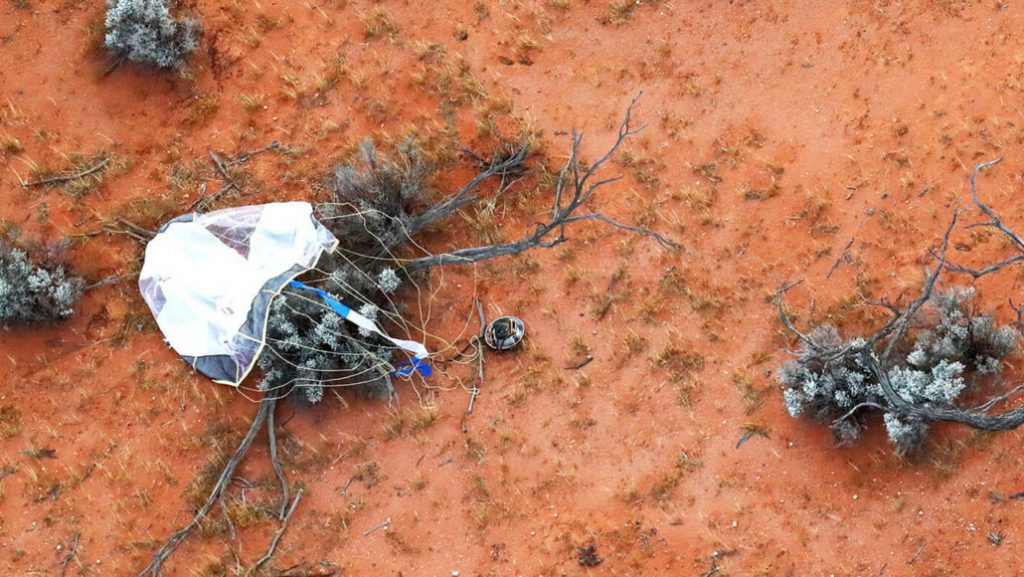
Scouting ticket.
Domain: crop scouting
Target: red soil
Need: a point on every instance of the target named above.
(775, 132)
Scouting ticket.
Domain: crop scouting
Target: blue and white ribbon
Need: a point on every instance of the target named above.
(417, 364)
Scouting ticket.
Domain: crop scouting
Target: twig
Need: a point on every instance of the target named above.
(920, 549)
(780, 305)
(72, 555)
(131, 229)
(223, 171)
(385, 525)
(842, 257)
(582, 363)
(204, 202)
(227, 515)
(61, 178)
(477, 342)
(277, 536)
(987, 405)
(1020, 317)
(994, 221)
(245, 156)
(608, 300)
(850, 413)
(109, 280)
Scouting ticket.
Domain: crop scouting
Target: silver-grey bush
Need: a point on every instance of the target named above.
(30, 293)
(954, 347)
(144, 31)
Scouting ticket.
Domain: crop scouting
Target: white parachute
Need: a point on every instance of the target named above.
(209, 280)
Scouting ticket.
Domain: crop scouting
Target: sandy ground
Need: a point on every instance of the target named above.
(775, 133)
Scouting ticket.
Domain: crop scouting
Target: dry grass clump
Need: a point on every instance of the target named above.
(378, 24)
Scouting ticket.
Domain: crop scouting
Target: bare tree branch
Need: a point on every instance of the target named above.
(468, 194)
(272, 438)
(780, 305)
(565, 209)
(156, 564)
(993, 221)
(285, 516)
(901, 323)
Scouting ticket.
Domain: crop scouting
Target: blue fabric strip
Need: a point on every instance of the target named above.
(404, 368)
(413, 365)
(331, 301)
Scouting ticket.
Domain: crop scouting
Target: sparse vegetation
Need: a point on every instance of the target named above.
(378, 24)
(678, 362)
(10, 421)
(931, 353)
(143, 31)
(10, 145)
(33, 292)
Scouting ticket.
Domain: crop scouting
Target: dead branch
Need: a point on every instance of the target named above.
(476, 341)
(581, 363)
(947, 414)
(468, 194)
(563, 211)
(987, 405)
(842, 257)
(156, 564)
(221, 166)
(994, 221)
(244, 156)
(272, 438)
(72, 555)
(898, 325)
(223, 172)
(62, 178)
(780, 305)
(382, 527)
(1020, 317)
(113, 65)
(110, 280)
(920, 549)
(227, 515)
(285, 516)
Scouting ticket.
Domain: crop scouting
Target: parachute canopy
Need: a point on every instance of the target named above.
(209, 280)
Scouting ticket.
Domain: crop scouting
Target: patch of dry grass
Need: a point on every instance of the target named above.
(378, 24)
